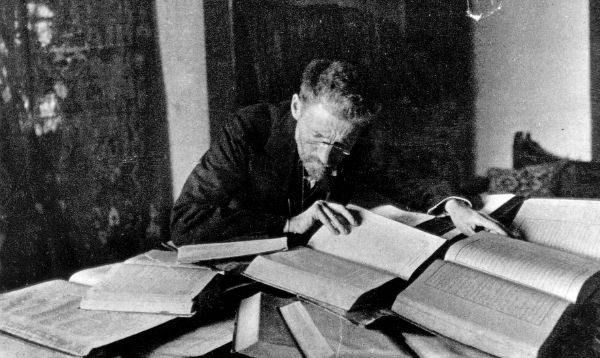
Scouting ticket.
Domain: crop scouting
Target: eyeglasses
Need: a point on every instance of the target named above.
(335, 147)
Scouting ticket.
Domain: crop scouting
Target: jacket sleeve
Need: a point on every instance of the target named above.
(426, 194)
(205, 210)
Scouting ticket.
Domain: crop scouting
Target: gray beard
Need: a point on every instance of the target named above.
(316, 170)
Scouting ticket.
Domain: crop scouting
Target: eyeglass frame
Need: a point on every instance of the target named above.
(338, 147)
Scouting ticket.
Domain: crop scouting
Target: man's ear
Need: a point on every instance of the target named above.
(296, 106)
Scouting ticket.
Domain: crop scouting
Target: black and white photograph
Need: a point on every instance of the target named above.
(299, 178)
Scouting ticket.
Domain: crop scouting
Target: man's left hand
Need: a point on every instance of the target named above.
(466, 219)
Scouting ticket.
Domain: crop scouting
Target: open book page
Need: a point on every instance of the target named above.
(483, 311)
(159, 258)
(91, 276)
(223, 250)
(317, 275)
(567, 224)
(49, 314)
(491, 202)
(380, 243)
(553, 271)
(409, 218)
(197, 342)
(148, 288)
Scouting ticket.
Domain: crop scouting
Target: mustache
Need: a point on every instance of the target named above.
(311, 159)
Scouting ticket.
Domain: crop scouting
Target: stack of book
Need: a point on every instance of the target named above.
(71, 318)
(481, 296)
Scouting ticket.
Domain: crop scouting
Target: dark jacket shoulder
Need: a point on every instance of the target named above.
(258, 122)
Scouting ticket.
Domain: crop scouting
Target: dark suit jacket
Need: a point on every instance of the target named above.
(247, 182)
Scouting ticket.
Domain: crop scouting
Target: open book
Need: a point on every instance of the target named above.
(153, 283)
(48, 315)
(506, 296)
(345, 271)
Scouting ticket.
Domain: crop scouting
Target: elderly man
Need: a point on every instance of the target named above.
(284, 169)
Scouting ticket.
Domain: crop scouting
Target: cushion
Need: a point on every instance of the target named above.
(532, 180)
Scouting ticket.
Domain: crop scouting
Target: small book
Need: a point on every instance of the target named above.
(238, 247)
(349, 271)
(506, 296)
(261, 331)
(44, 320)
(152, 283)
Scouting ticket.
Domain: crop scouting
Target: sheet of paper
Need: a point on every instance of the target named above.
(568, 224)
(380, 243)
(553, 271)
(49, 314)
(480, 310)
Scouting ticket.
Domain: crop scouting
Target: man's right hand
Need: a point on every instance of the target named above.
(335, 217)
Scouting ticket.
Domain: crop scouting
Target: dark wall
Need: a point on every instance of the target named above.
(418, 54)
(84, 172)
(595, 76)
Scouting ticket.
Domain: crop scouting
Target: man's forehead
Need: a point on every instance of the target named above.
(322, 121)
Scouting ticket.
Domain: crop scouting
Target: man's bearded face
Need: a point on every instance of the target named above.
(323, 140)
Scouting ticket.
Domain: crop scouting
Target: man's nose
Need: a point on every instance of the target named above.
(324, 154)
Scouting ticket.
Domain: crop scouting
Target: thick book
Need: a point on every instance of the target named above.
(152, 283)
(45, 318)
(507, 296)
(349, 271)
(237, 247)
(262, 332)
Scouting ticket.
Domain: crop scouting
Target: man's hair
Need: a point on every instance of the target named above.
(340, 88)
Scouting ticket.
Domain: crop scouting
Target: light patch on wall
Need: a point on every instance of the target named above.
(480, 9)
(61, 90)
(25, 100)
(43, 30)
(47, 126)
(113, 217)
(6, 94)
(3, 48)
(48, 105)
(48, 114)
(40, 10)
(43, 23)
